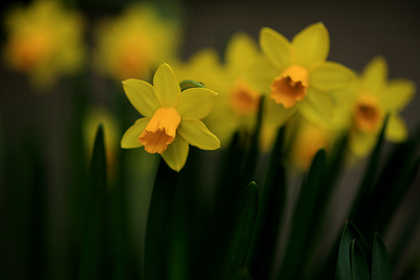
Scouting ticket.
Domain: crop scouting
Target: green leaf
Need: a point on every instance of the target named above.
(94, 247)
(186, 84)
(344, 268)
(395, 180)
(381, 267)
(158, 233)
(408, 230)
(244, 229)
(368, 182)
(390, 188)
(360, 269)
(304, 220)
(272, 205)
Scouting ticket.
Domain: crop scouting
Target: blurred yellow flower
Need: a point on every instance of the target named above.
(238, 101)
(44, 41)
(135, 43)
(172, 119)
(363, 106)
(205, 66)
(308, 140)
(297, 76)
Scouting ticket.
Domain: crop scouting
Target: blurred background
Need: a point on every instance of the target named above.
(39, 123)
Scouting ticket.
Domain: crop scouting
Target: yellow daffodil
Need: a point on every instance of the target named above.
(239, 100)
(296, 74)
(366, 103)
(135, 43)
(44, 41)
(172, 119)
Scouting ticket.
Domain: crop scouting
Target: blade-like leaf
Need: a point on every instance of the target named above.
(408, 231)
(94, 248)
(360, 269)
(367, 184)
(343, 268)
(381, 267)
(158, 234)
(393, 183)
(304, 218)
(244, 229)
(271, 208)
(344, 260)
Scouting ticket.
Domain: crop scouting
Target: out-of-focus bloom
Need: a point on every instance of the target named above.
(172, 119)
(308, 139)
(135, 43)
(363, 107)
(112, 132)
(297, 76)
(205, 67)
(238, 101)
(44, 41)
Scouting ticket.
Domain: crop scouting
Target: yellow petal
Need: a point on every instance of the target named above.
(396, 130)
(276, 48)
(311, 45)
(241, 52)
(330, 76)
(197, 134)
(397, 94)
(375, 74)
(261, 75)
(196, 103)
(166, 85)
(130, 138)
(277, 115)
(176, 154)
(141, 96)
(317, 107)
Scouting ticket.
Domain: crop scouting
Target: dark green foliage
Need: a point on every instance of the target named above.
(230, 231)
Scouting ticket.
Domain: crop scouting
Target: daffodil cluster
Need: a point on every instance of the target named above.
(301, 88)
(291, 81)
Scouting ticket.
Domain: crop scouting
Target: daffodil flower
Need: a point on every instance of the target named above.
(135, 42)
(172, 119)
(239, 101)
(296, 74)
(368, 101)
(44, 41)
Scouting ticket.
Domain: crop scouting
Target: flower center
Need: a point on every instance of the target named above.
(367, 114)
(244, 100)
(290, 86)
(161, 130)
